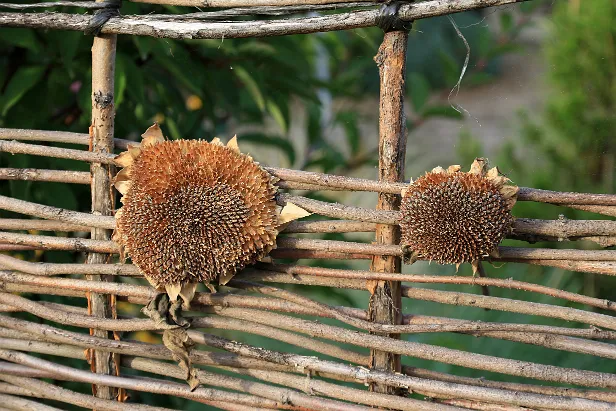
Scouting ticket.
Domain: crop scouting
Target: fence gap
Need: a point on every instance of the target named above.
(101, 141)
(385, 301)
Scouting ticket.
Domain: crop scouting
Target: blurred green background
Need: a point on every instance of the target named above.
(540, 96)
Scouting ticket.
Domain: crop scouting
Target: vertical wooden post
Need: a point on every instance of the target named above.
(385, 301)
(101, 138)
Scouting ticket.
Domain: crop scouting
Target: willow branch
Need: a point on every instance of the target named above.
(141, 25)
(54, 213)
(439, 279)
(15, 147)
(81, 285)
(49, 269)
(33, 174)
(56, 136)
(46, 331)
(429, 323)
(340, 392)
(407, 382)
(598, 395)
(53, 392)
(150, 385)
(210, 379)
(77, 320)
(50, 337)
(420, 350)
(448, 297)
(325, 226)
(250, 4)
(336, 210)
(17, 403)
(42, 242)
(597, 267)
(39, 225)
(605, 210)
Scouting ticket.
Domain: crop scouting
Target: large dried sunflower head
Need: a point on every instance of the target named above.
(453, 217)
(193, 211)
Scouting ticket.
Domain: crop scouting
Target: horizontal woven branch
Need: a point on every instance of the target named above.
(501, 304)
(143, 26)
(19, 324)
(505, 253)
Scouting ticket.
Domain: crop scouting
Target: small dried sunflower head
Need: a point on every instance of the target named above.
(194, 211)
(454, 217)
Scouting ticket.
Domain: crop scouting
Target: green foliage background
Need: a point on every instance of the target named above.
(200, 89)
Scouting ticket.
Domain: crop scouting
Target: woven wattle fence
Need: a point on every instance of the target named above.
(333, 377)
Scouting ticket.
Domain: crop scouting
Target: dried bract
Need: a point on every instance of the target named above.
(452, 217)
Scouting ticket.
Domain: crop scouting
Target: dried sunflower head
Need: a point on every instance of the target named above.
(453, 217)
(194, 211)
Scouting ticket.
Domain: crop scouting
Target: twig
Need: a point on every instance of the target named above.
(215, 30)
(82, 4)
(58, 214)
(16, 329)
(49, 269)
(598, 395)
(439, 279)
(47, 332)
(141, 294)
(446, 297)
(17, 403)
(50, 391)
(32, 174)
(15, 147)
(153, 386)
(56, 136)
(324, 226)
(77, 320)
(598, 267)
(39, 225)
(60, 243)
(398, 380)
(265, 11)
(245, 3)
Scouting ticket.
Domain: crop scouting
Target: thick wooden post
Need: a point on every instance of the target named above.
(385, 301)
(101, 137)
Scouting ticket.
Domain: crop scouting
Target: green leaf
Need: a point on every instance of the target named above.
(63, 196)
(348, 120)
(174, 130)
(504, 49)
(134, 78)
(20, 84)
(419, 89)
(280, 143)
(24, 38)
(120, 81)
(251, 86)
(451, 68)
(277, 114)
(506, 22)
(442, 111)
